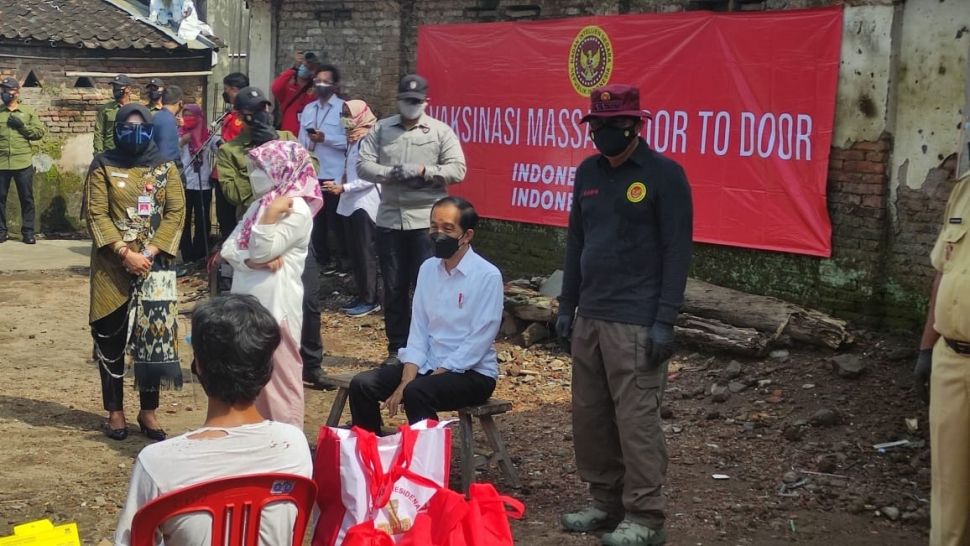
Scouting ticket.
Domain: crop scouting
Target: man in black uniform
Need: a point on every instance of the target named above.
(627, 255)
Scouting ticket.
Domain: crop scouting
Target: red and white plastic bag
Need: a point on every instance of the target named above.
(362, 478)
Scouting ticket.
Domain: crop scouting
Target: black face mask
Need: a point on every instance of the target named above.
(133, 138)
(226, 98)
(118, 92)
(154, 95)
(444, 246)
(260, 127)
(612, 141)
(7, 97)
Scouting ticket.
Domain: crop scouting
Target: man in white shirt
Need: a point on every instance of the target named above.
(322, 134)
(449, 361)
(233, 338)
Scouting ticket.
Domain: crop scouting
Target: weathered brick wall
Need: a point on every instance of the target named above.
(879, 270)
(69, 113)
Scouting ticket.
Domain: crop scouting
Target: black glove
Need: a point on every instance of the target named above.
(564, 325)
(661, 342)
(922, 370)
(15, 123)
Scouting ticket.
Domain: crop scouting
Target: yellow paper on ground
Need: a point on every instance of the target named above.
(42, 533)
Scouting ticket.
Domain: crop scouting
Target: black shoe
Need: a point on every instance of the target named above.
(316, 379)
(156, 434)
(3, 238)
(29, 240)
(114, 433)
(391, 361)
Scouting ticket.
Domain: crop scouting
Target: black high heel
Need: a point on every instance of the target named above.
(114, 433)
(156, 434)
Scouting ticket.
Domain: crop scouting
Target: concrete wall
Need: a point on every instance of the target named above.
(885, 193)
(69, 114)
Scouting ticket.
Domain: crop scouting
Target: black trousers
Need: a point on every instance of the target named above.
(110, 335)
(23, 178)
(327, 221)
(401, 254)
(225, 211)
(363, 254)
(311, 342)
(423, 398)
(195, 239)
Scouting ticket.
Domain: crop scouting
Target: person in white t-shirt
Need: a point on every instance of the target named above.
(233, 338)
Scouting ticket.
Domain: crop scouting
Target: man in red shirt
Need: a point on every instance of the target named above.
(293, 89)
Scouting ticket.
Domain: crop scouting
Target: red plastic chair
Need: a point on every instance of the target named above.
(235, 505)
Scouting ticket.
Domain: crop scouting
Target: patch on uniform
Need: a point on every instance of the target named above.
(956, 220)
(636, 192)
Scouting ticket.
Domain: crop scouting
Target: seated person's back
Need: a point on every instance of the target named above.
(233, 338)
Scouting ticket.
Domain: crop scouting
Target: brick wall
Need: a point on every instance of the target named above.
(879, 270)
(69, 114)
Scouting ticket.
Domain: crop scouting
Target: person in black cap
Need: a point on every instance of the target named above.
(628, 250)
(104, 124)
(232, 162)
(19, 125)
(154, 89)
(414, 157)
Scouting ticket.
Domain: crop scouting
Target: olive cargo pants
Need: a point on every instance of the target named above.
(620, 449)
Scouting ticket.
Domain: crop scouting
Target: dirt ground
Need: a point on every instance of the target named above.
(55, 463)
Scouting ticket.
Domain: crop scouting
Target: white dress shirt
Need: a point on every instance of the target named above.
(358, 193)
(331, 153)
(455, 317)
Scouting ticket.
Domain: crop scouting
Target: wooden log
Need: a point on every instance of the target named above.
(768, 315)
(715, 336)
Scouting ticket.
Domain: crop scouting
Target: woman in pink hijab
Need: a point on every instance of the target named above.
(267, 251)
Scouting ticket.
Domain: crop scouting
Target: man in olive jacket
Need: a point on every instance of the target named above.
(19, 125)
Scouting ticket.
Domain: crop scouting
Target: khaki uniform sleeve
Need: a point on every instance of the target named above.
(34, 128)
(100, 226)
(169, 231)
(235, 186)
(451, 161)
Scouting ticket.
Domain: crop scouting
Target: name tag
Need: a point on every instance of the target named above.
(144, 205)
(120, 175)
(956, 220)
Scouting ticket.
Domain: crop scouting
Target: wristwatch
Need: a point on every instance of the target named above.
(147, 253)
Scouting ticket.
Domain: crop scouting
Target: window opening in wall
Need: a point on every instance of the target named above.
(32, 80)
(84, 81)
(522, 11)
(726, 5)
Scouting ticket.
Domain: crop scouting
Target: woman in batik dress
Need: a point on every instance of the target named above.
(267, 251)
(134, 207)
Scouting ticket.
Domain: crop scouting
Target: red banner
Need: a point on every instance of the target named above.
(745, 102)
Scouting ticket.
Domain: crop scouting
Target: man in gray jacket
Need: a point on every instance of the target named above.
(414, 157)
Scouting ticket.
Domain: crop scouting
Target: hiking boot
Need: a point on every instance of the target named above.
(628, 533)
(588, 520)
(363, 310)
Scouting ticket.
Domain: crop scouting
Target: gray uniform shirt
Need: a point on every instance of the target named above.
(406, 204)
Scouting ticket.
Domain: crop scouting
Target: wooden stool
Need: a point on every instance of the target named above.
(484, 412)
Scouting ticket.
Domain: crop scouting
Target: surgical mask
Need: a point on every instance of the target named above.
(444, 246)
(7, 97)
(410, 110)
(612, 141)
(154, 94)
(133, 138)
(323, 90)
(260, 181)
(118, 92)
(347, 123)
(303, 72)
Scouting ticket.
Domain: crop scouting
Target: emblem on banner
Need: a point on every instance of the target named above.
(590, 60)
(636, 192)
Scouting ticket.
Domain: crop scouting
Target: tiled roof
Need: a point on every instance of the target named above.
(89, 24)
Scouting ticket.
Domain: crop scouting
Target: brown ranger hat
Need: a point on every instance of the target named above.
(615, 100)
